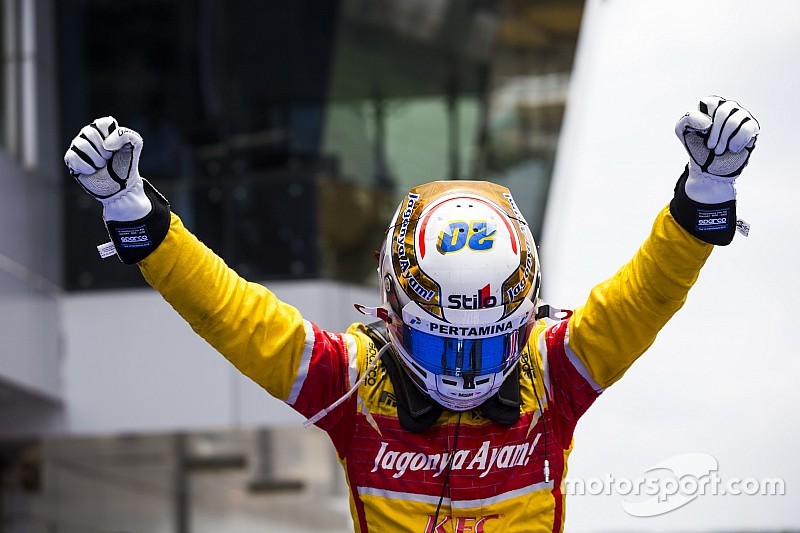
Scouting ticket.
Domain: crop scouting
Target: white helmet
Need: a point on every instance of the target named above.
(460, 280)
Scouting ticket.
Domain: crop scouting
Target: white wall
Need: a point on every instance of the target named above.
(132, 364)
(722, 377)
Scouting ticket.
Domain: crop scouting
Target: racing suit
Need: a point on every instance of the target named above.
(484, 475)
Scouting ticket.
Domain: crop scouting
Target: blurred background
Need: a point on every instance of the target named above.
(284, 132)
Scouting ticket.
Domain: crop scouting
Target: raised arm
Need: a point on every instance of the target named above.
(266, 339)
(622, 315)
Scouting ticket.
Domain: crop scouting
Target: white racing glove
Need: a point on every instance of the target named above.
(104, 159)
(719, 137)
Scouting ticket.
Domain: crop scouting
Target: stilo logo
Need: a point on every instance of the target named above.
(481, 300)
(461, 524)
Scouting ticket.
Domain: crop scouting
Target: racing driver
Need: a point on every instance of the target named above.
(475, 385)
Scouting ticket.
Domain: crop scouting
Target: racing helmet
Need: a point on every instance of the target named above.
(460, 280)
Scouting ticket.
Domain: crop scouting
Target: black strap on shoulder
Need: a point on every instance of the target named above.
(417, 411)
(378, 332)
(503, 407)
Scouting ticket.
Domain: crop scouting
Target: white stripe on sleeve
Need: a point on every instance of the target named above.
(305, 363)
(352, 358)
(578, 364)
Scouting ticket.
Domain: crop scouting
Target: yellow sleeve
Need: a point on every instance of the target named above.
(262, 336)
(623, 314)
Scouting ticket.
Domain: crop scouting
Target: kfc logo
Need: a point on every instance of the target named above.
(461, 524)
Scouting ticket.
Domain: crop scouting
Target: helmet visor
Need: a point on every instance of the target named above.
(456, 356)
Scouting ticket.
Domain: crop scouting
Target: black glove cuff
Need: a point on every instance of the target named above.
(712, 223)
(135, 240)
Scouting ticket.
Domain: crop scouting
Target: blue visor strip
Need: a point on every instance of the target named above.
(452, 356)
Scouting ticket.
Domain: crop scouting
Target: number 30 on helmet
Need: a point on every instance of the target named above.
(460, 280)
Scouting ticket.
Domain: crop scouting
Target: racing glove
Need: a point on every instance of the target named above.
(104, 159)
(719, 137)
